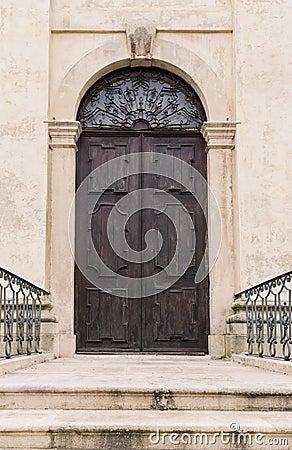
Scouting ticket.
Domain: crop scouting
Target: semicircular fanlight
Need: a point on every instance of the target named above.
(127, 96)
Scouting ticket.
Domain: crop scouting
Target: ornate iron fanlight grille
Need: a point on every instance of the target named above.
(126, 96)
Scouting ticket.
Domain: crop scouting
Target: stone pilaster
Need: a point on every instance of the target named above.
(220, 138)
(63, 136)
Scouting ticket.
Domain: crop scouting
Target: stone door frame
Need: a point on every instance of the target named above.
(63, 135)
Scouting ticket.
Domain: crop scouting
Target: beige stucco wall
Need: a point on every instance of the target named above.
(88, 39)
(263, 74)
(24, 33)
(168, 14)
(233, 52)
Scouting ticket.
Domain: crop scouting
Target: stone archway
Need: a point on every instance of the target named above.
(150, 112)
(64, 132)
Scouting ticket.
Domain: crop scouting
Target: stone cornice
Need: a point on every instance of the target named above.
(64, 134)
(219, 135)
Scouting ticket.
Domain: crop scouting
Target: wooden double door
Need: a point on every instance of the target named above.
(174, 320)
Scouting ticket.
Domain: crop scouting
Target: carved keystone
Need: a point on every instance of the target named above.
(140, 39)
(163, 400)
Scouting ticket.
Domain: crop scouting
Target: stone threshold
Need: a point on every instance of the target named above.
(23, 362)
(269, 364)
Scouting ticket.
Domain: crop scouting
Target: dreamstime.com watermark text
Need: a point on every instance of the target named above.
(232, 437)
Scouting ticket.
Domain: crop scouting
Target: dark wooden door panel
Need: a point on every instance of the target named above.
(170, 321)
(177, 318)
(110, 321)
(106, 322)
(174, 320)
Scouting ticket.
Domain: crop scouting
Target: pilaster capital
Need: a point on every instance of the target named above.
(64, 134)
(219, 135)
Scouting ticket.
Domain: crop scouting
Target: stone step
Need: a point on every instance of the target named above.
(146, 399)
(146, 382)
(126, 430)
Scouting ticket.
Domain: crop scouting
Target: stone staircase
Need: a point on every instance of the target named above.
(144, 402)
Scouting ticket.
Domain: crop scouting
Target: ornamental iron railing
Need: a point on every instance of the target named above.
(20, 315)
(268, 317)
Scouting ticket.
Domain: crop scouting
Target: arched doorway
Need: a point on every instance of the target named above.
(141, 110)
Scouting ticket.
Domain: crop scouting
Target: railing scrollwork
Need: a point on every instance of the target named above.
(268, 317)
(20, 315)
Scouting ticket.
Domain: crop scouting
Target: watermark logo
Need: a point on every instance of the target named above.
(234, 436)
(234, 426)
(88, 260)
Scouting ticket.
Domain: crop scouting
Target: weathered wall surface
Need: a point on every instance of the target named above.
(114, 14)
(250, 66)
(81, 27)
(24, 41)
(263, 75)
